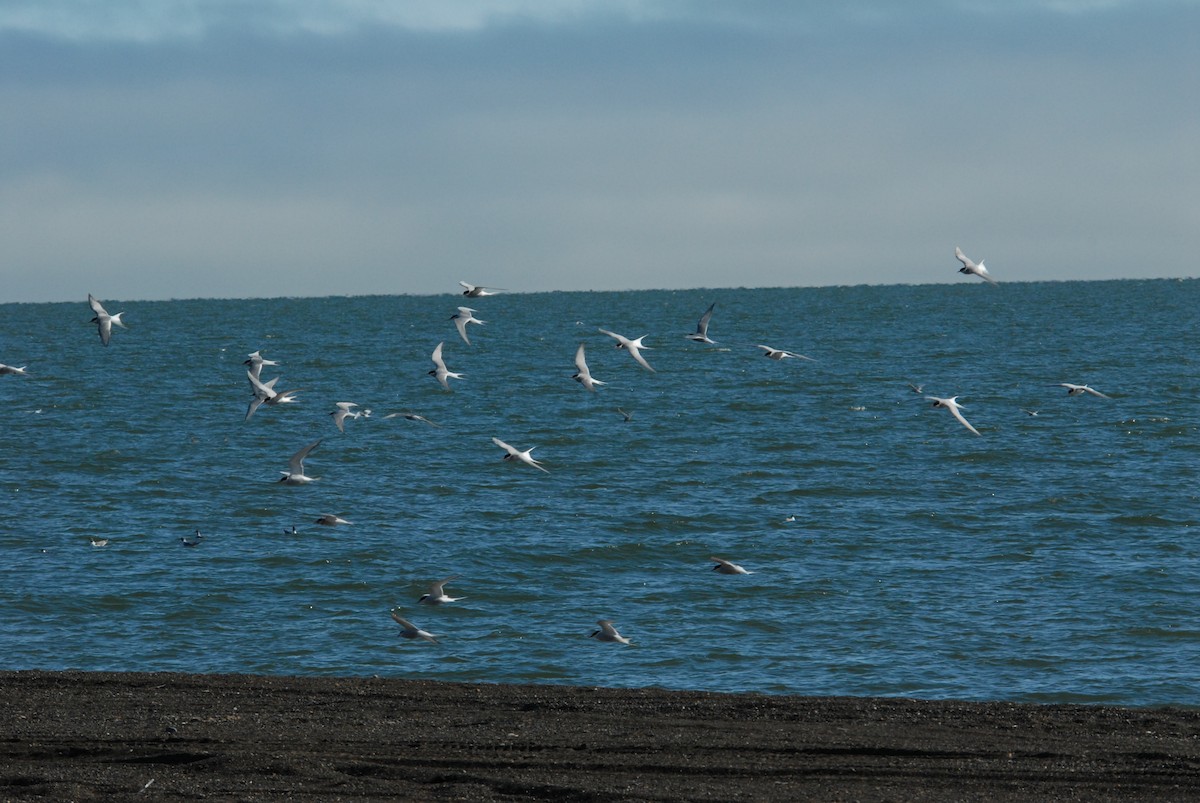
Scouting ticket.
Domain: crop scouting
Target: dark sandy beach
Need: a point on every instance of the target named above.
(100, 736)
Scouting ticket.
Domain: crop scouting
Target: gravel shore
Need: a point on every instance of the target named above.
(109, 736)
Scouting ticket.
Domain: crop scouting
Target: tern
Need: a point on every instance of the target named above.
(474, 291)
(339, 415)
(265, 393)
(634, 347)
(1031, 413)
(194, 542)
(726, 567)
(1077, 390)
(464, 316)
(412, 631)
(98, 542)
(437, 593)
(512, 454)
(970, 267)
(412, 417)
(330, 520)
(10, 369)
(625, 414)
(608, 633)
(917, 389)
(256, 363)
(779, 354)
(104, 322)
(440, 371)
(953, 406)
(582, 375)
(295, 474)
(701, 333)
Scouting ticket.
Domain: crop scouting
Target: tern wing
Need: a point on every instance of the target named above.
(955, 412)
(296, 462)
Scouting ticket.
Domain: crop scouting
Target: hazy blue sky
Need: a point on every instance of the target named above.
(223, 148)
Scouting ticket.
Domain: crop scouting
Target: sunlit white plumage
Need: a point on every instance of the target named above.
(343, 410)
(104, 322)
(437, 593)
(412, 417)
(13, 370)
(474, 291)
(970, 267)
(701, 333)
(512, 453)
(265, 393)
(608, 633)
(726, 567)
(256, 362)
(634, 347)
(953, 406)
(330, 520)
(582, 375)
(295, 474)
(779, 354)
(1076, 390)
(440, 372)
(412, 631)
(464, 316)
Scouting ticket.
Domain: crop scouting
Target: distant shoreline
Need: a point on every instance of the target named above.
(79, 735)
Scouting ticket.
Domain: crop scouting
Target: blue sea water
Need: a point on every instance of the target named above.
(1050, 559)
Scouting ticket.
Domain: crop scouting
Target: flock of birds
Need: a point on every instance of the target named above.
(264, 393)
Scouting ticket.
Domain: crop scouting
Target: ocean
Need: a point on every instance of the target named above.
(1051, 558)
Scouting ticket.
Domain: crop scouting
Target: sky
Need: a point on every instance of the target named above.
(234, 149)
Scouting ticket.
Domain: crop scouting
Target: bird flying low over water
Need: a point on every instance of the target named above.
(104, 322)
(9, 369)
(634, 347)
(265, 393)
(512, 453)
(953, 406)
(412, 417)
(608, 633)
(582, 375)
(779, 354)
(437, 593)
(725, 567)
(701, 333)
(970, 267)
(330, 520)
(183, 539)
(474, 291)
(440, 372)
(339, 415)
(464, 316)
(412, 631)
(295, 474)
(1077, 390)
(256, 362)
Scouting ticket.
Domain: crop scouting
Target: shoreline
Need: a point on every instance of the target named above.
(104, 735)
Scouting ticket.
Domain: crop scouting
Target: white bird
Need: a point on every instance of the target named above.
(779, 354)
(412, 631)
(474, 291)
(464, 316)
(634, 347)
(256, 363)
(104, 322)
(953, 406)
(1076, 390)
(515, 454)
(9, 369)
(330, 520)
(339, 415)
(582, 375)
(701, 333)
(440, 371)
(437, 593)
(98, 542)
(295, 474)
(1032, 413)
(970, 267)
(265, 393)
(194, 542)
(608, 633)
(412, 417)
(725, 567)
